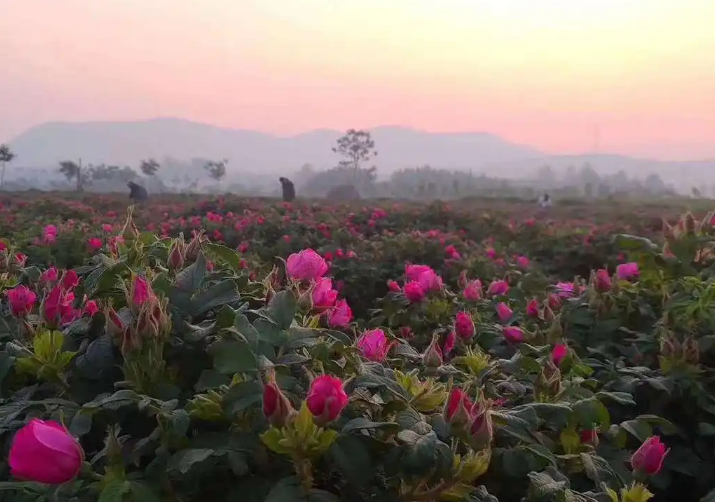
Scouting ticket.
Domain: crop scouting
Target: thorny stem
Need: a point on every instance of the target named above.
(304, 470)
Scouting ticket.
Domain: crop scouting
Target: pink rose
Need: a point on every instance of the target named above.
(532, 308)
(498, 288)
(458, 410)
(559, 352)
(306, 265)
(627, 271)
(413, 272)
(45, 452)
(414, 292)
(504, 312)
(373, 345)
(340, 316)
(21, 299)
(513, 334)
(326, 399)
(603, 282)
(464, 326)
(324, 295)
(473, 291)
(140, 291)
(648, 459)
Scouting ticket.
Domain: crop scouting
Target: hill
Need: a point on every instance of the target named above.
(126, 143)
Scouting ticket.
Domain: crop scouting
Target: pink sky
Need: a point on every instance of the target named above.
(539, 72)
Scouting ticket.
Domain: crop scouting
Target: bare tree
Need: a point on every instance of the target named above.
(149, 167)
(6, 155)
(75, 171)
(356, 147)
(216, 169)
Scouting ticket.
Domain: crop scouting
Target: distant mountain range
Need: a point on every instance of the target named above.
(127, 143)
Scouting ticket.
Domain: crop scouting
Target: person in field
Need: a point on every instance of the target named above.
(288, 189)
(137, 192)
(545, 201)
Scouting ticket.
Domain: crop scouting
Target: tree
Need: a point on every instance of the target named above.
(216, 170)
(149, 167)
(6, 155)
(355, 147)
(75, 171)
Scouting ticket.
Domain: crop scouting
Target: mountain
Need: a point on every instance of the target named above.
(127, 143)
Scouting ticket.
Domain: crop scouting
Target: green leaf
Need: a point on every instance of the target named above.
(352, 456)
(273, 439)
(114, 491)
(222, 293)
(211, 379)
(286, 490)
(361, 423)
(619, 397)
(189, 280)
(233, 357)
(224, 254)
(142, 492)
(183, 460)
(592, 411)
(316, 495)
(281, 309)
(242, 396)
(270, 332)
(6, 363)
(543, 485)
(425, 454)
(629, 242)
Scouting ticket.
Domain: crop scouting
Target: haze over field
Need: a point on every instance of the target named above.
(630, 77)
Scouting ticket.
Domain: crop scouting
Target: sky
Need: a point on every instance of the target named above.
(566, 76)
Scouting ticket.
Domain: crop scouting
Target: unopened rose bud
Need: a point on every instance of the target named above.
(457, 410)
(648, 459)
(130, 231)
(691, 350)
(176, 254)
(689, 224)
(194, 247)
(481, 430)
(602, 282)
(276, 406)
(432, 357)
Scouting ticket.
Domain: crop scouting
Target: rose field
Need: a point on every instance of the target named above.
(195, 349)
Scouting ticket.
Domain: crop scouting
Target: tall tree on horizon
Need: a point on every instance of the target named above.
(356, 147)
(6, 155)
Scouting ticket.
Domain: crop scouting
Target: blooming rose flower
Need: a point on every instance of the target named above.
(373, 345)
(473, 291)
(323, 293)
(21, 299)
(414, 292)
(306, 265)
(627, 271)
(45, 452)
(498, 288)
(340, 316)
